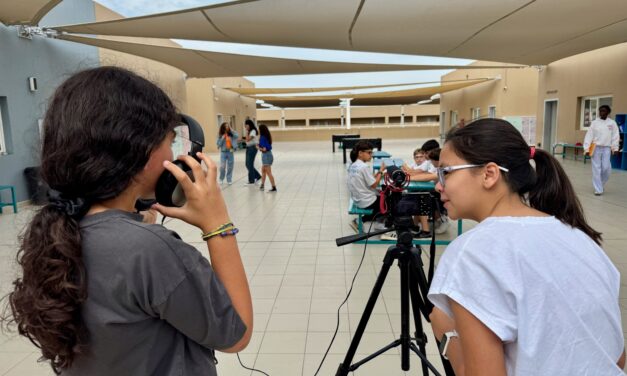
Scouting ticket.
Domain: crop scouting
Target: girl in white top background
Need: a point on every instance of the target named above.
(603, 132)
(252, 139)
(528, 291)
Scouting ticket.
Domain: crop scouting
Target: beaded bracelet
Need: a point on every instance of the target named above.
(217, 229)
(226, 232)
(223, 230)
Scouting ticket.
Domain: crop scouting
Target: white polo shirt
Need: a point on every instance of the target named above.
(360, 181)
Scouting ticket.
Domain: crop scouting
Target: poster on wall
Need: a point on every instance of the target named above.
(526, 125)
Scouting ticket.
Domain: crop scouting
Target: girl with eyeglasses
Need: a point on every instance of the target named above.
(528, 291)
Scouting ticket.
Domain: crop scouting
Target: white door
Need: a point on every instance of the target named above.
(550, 124)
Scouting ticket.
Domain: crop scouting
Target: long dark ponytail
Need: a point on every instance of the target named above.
(548, 187)
(265, 132)
(99, 131)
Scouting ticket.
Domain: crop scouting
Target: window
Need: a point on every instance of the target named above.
(590, 107)
(3, 146)
(453, 118)
(492, 111)
(475, 113)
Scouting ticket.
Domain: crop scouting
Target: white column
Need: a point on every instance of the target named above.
(348, 112)
(402, 114)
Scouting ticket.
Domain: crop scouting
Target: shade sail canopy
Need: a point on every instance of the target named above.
(514, 31)
(197, 63)
(293, 90)
(408, 96)
(25, 12)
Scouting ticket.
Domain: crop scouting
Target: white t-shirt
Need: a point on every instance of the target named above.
(545, 289)
(253, 138)
(360, 181)
(602, 133)
(413, 165)
(427, 166)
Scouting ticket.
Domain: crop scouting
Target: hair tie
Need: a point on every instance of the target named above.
(532, 152)
(74, 207)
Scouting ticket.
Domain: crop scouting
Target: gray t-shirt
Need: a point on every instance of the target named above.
(155, 306)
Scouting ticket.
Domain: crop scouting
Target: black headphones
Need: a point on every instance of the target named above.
(168, 192)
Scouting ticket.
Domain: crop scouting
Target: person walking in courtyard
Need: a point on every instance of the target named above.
(252, 139)
(601, 140)
(227, 138)
(265, 146)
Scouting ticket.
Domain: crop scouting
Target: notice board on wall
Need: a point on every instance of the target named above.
(526, 125)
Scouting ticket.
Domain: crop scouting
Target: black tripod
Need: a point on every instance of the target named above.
(412, 279)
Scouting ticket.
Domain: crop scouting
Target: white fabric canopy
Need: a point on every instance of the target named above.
(198, 63)
(514, 31)
(293, 90)
(25, 12)
(407, 96)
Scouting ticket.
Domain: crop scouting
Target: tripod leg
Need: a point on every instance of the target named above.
(418, 282)
(405, 336)
(417, 307)
(345, 366)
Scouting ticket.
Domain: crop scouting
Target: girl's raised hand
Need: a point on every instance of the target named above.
(205, 207)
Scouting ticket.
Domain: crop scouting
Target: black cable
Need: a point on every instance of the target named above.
(250, 369)
(337, 326)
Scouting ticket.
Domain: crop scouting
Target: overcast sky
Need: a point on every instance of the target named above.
(132, 8)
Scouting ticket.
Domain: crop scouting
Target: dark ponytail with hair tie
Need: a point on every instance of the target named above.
(74, 207)
(554, 194)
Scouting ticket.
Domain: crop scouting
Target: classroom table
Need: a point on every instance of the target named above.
(340, 137)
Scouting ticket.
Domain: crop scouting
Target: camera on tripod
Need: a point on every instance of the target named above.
(403, 205)
(400, 208)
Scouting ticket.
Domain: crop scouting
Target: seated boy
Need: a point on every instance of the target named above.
(362, 184)
(419, 159)
(441, 220)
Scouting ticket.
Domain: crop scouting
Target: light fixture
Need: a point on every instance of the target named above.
(32, 84)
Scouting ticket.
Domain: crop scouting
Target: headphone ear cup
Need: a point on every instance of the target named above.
(168, 191)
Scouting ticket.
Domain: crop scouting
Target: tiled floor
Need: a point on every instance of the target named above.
(299, 277)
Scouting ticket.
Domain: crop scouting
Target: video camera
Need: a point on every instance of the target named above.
(399, 202)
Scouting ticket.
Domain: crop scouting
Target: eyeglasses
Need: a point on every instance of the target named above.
(443, 171)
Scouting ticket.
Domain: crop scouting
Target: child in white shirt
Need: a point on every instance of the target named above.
(362, 184)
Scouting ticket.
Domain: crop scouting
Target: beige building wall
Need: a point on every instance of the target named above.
(360, 115)
(208, 104)
(514, 94)
(430, 130)
(318, 124)
(597, 73)
(170, 79)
